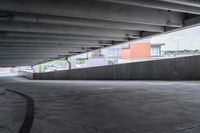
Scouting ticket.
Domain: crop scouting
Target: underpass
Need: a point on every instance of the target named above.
(150, 96)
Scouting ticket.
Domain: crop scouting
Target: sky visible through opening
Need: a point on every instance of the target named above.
(188, 39)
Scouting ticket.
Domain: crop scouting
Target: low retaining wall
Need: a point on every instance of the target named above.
(27, 75)
(184, 68)
(24, 74)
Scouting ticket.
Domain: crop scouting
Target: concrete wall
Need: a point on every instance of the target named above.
(27, 75)
(185, 68)
(24, 74)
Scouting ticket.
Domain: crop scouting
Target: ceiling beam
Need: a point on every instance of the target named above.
(60, 20)
(49, 40)
(32, 55)
(15, 54)
(25, 57)
(63, 29)
(162, 4)
(195, 3)
(95, 10)
(51, 45)
(62, 36)
(50, 49)
(192, 21)
(36, 50)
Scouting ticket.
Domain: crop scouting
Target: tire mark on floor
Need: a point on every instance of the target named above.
(29, 117)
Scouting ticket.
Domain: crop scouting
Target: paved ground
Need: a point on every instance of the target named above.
(102, 106)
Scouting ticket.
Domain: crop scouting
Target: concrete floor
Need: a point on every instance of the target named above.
(102, 106)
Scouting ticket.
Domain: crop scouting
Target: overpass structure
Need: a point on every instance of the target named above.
(35, 31)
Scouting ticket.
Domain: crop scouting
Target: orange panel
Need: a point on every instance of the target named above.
(140, 50)
(136, 50)
(126, 54)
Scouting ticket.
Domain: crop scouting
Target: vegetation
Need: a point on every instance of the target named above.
(53, 64)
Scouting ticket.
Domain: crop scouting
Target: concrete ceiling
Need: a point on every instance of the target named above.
(35, 31)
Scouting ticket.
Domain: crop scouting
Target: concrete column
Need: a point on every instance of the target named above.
(69, 63)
